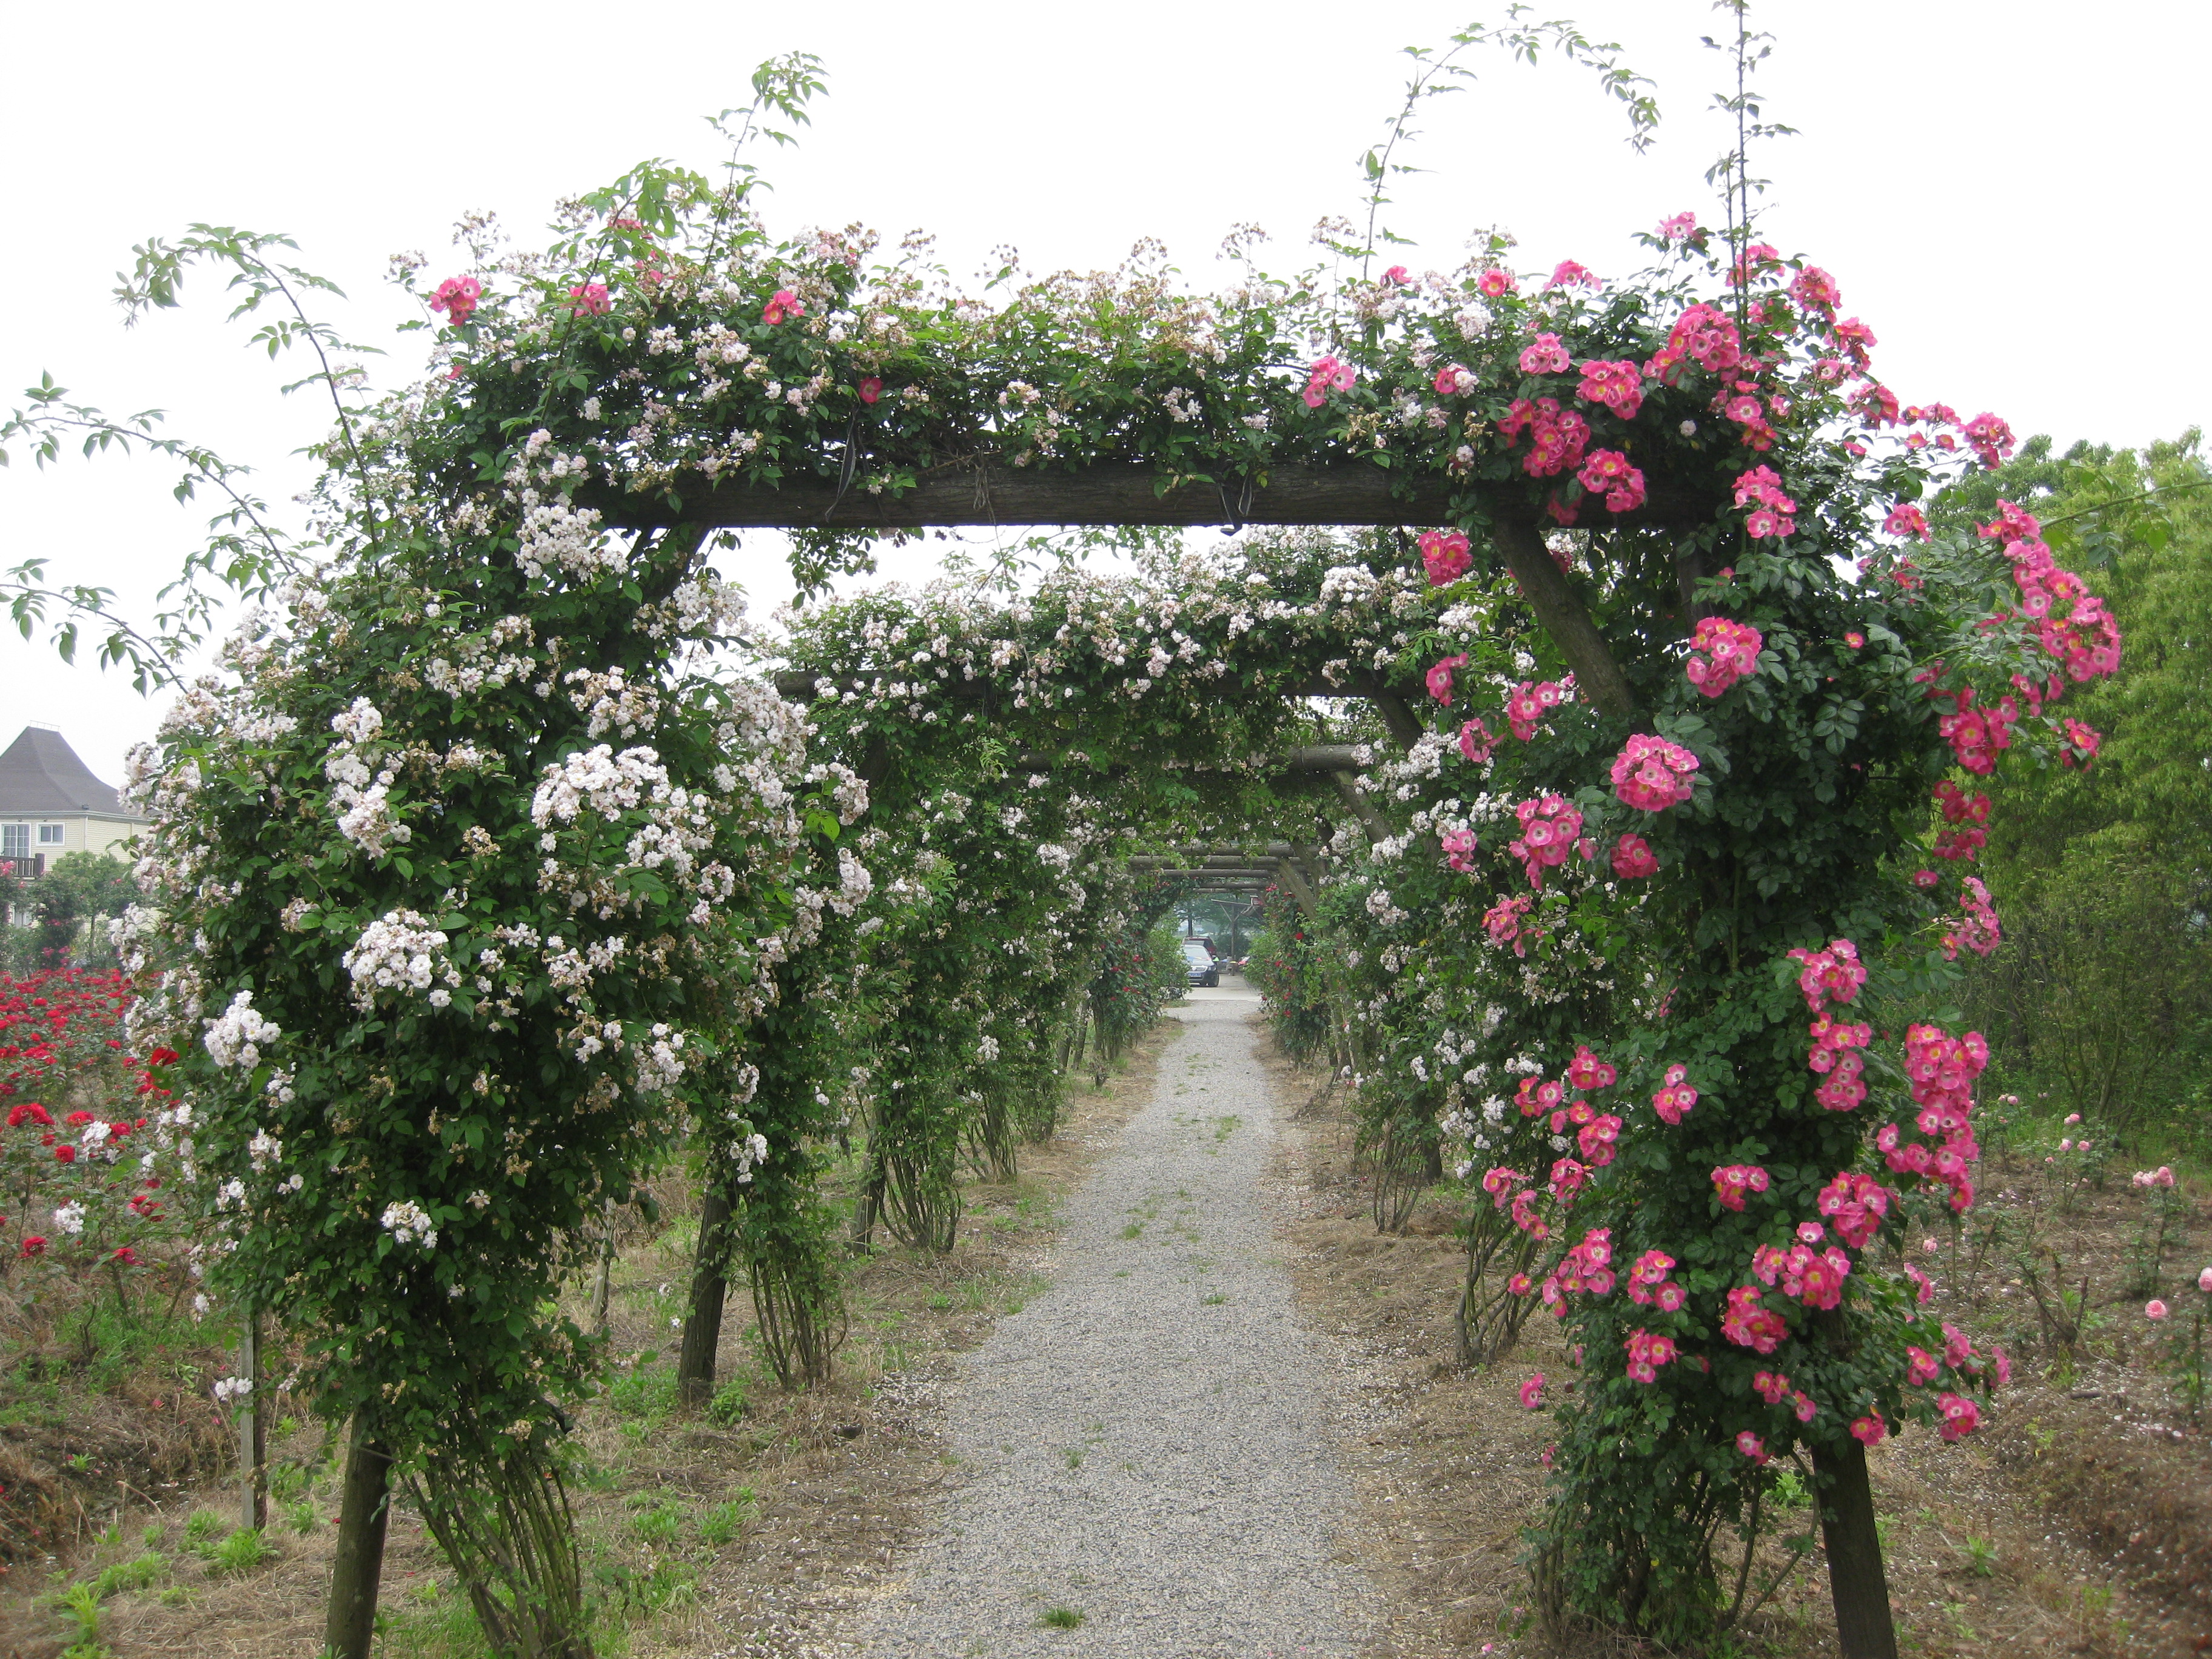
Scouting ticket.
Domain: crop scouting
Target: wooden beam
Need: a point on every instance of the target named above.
(985, 491)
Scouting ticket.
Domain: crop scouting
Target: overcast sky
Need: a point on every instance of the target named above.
(1973, 174)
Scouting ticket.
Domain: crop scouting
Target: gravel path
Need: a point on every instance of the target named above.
(1144, 1445)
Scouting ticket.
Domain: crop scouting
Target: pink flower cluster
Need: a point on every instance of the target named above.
(1557, 437)
(1749, 1323)
(1703, 334)
(1835, 1056)
(1774, 1388)
(2161, 1176)
(1977, 927)
(456, 297)
(1651, 775)
(1816, 290)
(1501, 922)
(1761, 490)
(1648, 1285)
(1969, 813)
(1599, 1139)
(1585, 1270)
(590, 299)
(1905, 519)
(1814, 1277)
(1678, 228)
(1529, 702)
(2087, 640)
(1550, 825)
(1854, 1204)
(1617, 386)
(1646, 1354)
(1676, 1096)
(1834, 975)
(1961, 1415)
(1722, 653)
(1587, 1071)
(1539, 1094)
(1992, 440)
(1607, 472)
(1870, 1431)
(1445, 554)
(1977, 736)
(1455, 380)
(1475, 741)
(1440, 675)
(1941, 1070)
(1328, 372)
(1544, 355)
(781, 304)
(1496, 285)
(1459, 846)
(1633, 859)
(1732, 1183)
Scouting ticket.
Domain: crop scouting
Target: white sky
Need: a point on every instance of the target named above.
(1972, 173)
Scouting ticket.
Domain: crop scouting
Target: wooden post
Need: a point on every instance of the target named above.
(1864, 1629)
(602, 1298)
(253, 1430)
(357, 1566)
(703, 1326)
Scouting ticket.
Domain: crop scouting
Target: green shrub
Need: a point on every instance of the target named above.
(141, 1574)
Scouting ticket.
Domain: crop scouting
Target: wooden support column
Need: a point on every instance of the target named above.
(357, 1565)
(253, 1430)
(1566, 618)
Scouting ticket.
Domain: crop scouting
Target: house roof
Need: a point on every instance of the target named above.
(41, 775)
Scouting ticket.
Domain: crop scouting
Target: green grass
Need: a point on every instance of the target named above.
(660, 1523)
(201, 1531)
(720, 1524)
(243, 1551)
(143, 1573)
(1062, 1619)
(643, 1398)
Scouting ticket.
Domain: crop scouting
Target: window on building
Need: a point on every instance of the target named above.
(49, 835)
(15, 841)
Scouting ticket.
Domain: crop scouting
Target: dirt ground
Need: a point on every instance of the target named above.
(1995, 1546)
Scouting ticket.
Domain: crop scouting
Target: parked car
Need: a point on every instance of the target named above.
(1198, 962)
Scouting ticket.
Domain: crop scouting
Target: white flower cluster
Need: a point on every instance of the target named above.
(359, 792)
(661, 1067)
(608, 783)
(68, 1220)
(408, 1224)
(749, 1154)
(556, 538)
(400, 951)
(231, 1388)
(1055, 857)
(236, 1036)
(988, 1050)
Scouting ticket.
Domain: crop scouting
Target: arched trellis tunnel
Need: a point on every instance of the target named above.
(477, 831)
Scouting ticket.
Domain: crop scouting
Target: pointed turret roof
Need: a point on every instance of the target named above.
(41, 775)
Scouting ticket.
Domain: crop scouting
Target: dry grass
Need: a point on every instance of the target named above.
(1987, 1554)
(831, 1486)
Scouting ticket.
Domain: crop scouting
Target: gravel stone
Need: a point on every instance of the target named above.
(1144, 1443)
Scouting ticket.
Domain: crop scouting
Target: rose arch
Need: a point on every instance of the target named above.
(1587, 669)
